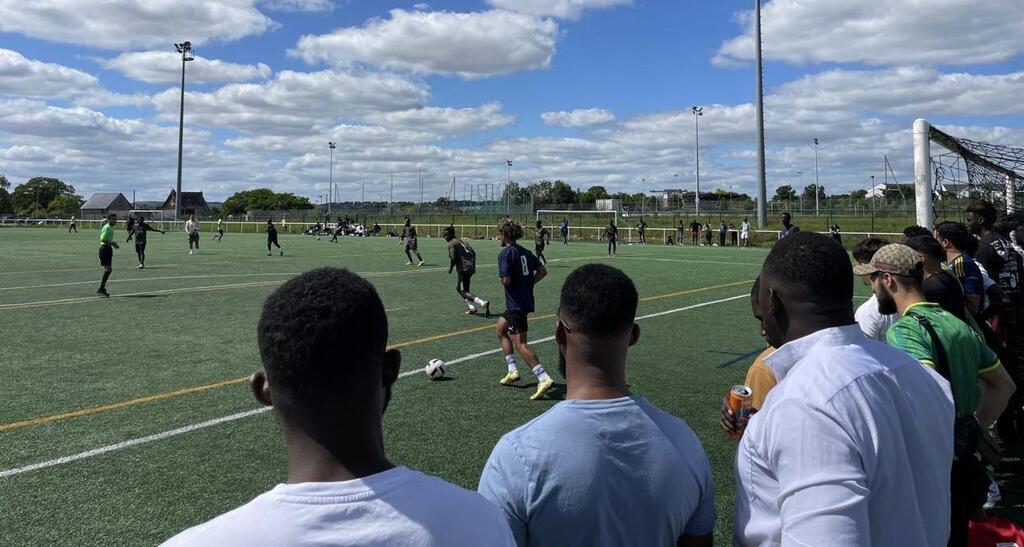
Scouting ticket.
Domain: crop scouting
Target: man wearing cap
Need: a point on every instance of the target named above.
(936, 338)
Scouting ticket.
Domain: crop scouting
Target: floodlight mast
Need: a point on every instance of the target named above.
(185, 49)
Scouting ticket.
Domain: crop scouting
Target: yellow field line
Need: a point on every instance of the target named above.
(232, 381)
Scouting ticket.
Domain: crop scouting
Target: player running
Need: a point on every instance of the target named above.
(220, 230)
(192, 229)
(612, 233)
(409, 237)
(272, 237)
(463, 261)
(141, 228)
(519, 272)
(541, 238)
(107, 246)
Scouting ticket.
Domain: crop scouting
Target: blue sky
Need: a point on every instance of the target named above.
(589, 91)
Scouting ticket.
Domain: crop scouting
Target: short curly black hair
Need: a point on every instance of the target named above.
(867, 247)
(915, 231)
(957, 234)
(510, 229)
(927, 246)
(598, 300)
(813, 263)
(322, 337)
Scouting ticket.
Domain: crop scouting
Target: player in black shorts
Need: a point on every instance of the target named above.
(141, 229)
(541, 237)
(641, 228)
(409, 237)
(272, 237)
(129, 227)
(107, 246)
(463, 260)
(612, 233)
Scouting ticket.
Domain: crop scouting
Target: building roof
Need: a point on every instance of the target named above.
(189, 200)
(103, 200)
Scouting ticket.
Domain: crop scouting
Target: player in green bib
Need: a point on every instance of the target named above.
(107, 246)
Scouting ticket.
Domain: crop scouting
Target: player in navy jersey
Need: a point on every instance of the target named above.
(519, 271)
(462, 259)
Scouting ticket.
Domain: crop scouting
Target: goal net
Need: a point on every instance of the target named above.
(950, 171)
(152, 214)
(582, 224)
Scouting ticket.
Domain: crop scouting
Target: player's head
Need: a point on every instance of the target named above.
(270, 221)
(928, 247)
(408, 221)
(954, 236)
(744, 219)
(326, 369)
(806, 286)
(915, 230)
(509, 231)
(596, 317)
(449, 233)
(980, 215)
(112, 219)
(866, 248)
(539, 224)
(895, 268)
(786, 218)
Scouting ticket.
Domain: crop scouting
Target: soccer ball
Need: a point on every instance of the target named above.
(434, 369)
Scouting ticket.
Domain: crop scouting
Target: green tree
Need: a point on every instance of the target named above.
(808, 192)
(4, 183)
(263, 199)
(784, 193)
(6, 205)
(65, 205)
(561, 192)
(593, 194)
(37, 193)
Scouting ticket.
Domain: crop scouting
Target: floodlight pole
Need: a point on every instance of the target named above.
(698, 111)
(185, 49)
(508, 197)
(817, 187)
(330, 189)
(762, 188)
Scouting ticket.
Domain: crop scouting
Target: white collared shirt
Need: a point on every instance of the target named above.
(852, 447)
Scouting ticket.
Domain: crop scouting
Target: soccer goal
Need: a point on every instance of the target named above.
(152, 214)
(582, 224)
(958, 169)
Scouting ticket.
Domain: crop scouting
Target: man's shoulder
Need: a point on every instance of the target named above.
(240, 526)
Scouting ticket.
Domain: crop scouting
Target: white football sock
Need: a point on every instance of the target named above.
(480, 301)
(510, 360)
(541, 375)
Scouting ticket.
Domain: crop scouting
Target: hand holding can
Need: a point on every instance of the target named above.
(736, 410)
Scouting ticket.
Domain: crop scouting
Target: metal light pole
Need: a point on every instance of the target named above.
(185, 49)
(508, 204)
(330, 189)
(698, 111)
(800, 182)
(817, 186)
(872, 203)
(762, 185)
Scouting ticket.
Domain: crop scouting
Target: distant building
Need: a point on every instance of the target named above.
(959, 190)
(101, 204)
(665, 196)
(191, 202)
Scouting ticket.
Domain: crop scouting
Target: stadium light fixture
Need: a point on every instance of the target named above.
(698, 111)
(185, 49)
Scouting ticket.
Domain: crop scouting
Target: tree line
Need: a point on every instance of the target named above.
(39, 197)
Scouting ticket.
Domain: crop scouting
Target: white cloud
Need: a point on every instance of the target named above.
(121, 24)
(468, 44)
(165, 67)
(297, 5)
(444, 122)
(296, 102)
(577, 118)
(563, 9)
(99, 98)
(20, 76)
(882, 32)
(422, 6)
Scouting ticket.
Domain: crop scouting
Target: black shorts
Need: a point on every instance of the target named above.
(464, 279)
(220, 232)
(193, 237)
(537, 249)
(106, 255)
(410, 245)
(516, 321)
(140, 247)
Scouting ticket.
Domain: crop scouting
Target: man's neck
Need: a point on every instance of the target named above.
(310, 461)
(588, 379)
(906, 299)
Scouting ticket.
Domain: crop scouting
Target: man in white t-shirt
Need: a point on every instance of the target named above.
(329, 382)
(873, 323)
(744, 233)
(192, 229)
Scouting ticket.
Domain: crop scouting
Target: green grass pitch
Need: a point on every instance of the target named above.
(190, 321)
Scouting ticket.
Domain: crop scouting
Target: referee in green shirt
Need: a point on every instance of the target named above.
(107, 246)
(980, 385)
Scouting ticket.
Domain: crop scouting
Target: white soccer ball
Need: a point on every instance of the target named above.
(434, 369)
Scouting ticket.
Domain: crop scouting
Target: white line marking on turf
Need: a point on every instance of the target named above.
(233, 417)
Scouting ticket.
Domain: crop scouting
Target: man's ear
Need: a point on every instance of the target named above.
(635, 335)
(560, 334)
(260, 387)
(389, 367)
(775, 306)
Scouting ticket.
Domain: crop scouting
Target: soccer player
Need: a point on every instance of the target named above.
(141, 228)
(107, 246)
(220, 230)
(272, 237)
(192, 229)
(73, 225)
(745, 231)
(519, 272)
(409, 237)
(463, 260)
(130, 227)
(612, 233)
(339, 487)
(641, 228)
(541, 237)
(565, 231)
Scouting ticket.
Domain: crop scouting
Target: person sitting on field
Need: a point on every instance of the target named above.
(605, 466)
(329, 383)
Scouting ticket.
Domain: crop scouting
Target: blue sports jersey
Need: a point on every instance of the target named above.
(519, 264)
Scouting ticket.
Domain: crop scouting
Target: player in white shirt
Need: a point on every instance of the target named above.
(744, 233)
(192, 229)
(329, 383)
(855, 443)
(873, 323)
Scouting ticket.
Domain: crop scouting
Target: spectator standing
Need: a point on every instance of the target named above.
(605, 466)
(787, 227)
(721, 233)
(873, 323)
(853, 445)
(341, 489)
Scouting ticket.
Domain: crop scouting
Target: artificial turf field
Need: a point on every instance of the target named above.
(110, 407)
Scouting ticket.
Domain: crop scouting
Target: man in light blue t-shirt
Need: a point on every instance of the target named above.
(603, 467)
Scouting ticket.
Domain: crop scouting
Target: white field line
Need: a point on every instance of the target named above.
(233, 417)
